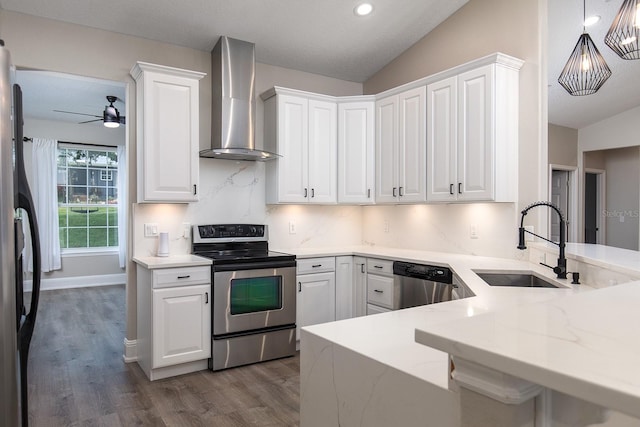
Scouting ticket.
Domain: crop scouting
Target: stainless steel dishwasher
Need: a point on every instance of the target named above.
(420, 284)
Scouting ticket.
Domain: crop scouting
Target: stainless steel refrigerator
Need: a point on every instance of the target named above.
(16, 322)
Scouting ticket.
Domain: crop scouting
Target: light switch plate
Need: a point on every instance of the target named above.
(292, 227)
(151, 229)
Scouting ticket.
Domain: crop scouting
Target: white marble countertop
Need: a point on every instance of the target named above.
(390, 337)
(586, 345)
(188, 260)
(623, 260)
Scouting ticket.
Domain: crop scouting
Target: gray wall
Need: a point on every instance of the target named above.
(622, 166)
(563, 145)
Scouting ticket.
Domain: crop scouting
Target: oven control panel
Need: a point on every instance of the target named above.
(230, 231)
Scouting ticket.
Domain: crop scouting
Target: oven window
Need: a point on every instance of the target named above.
(254, 294)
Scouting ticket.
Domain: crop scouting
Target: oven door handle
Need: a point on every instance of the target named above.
(252, 265)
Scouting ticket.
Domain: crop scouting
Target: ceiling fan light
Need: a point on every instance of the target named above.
(111, 117)
(585, 71)
(624, 34)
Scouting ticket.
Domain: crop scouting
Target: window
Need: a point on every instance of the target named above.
(87, 197)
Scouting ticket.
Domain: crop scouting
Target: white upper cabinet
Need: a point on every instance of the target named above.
(356, 152)
(472, 135)
(303, 130)
(167, 133)
(401, 147)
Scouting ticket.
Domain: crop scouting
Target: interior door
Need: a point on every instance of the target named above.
(560, 198)
(591, 208)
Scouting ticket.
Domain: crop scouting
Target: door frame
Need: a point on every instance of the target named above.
(601, 236)
(572, 217)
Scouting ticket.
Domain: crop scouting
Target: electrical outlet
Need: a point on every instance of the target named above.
(529, 237)
(386, 225)
(473, 231)
(186, 230)
(151, 230)
(292, 227)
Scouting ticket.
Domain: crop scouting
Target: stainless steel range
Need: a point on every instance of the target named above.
(254, 295)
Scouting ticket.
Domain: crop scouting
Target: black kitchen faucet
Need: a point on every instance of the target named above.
(561, 268)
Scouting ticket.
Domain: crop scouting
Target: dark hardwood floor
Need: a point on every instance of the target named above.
(77, 376)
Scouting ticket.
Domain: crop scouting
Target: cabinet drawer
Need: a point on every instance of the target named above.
(380, 290)
(379, 266)
(181, 276)
(316, 265)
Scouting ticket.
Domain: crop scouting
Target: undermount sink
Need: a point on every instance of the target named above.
(520, 280)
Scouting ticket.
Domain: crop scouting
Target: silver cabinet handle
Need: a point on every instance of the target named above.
(368, 193)
(451, 189)
(184, 277)
(378, 291)
(377, 266)
(401, 192)
(299, 286)
(195, 189)
(313, 192)
(361, 268)
(316, 265)
(206, 297)
(394, 191)
(305, 192)
(459, 188)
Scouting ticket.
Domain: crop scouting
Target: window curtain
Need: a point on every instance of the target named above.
(45, 200)
(122, 206)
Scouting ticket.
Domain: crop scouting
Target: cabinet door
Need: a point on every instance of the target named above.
(323, 149)
(169, 141)
(374, 309)
(344, 287)
(293, 142)
(359, 286)
(356, 156)
(475, 134)
(316, 302)
(442, 181)
(386, 150)
(412, 158)
(181, 325)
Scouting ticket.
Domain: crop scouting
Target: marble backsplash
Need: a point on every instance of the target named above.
(233, 192)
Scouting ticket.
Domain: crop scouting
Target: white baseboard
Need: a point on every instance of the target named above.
(130, 351)
(78, 282)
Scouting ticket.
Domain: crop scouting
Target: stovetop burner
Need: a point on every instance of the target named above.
(229, 244)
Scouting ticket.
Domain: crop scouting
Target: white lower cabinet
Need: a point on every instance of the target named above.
(359, 286)
(316, 300)
(180, 328)
(344, 288)
(380, 287)
(174, 320)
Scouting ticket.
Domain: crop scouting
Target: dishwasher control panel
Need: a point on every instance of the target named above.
(422, 271)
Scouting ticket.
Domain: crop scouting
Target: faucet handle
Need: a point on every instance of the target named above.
(575, 278)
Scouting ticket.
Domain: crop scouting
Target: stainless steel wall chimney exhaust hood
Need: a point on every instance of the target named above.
(233, 71)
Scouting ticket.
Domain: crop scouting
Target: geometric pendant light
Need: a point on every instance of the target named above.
(624, 34)
(585, 71)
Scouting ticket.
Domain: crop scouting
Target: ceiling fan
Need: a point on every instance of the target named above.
(110, 117)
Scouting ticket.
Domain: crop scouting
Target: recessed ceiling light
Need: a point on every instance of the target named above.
(363, 9)
(591, 20)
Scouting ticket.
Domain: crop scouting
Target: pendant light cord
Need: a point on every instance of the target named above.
(584, 15)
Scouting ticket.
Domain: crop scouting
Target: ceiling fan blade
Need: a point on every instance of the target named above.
(90, 121)
(73, 112)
